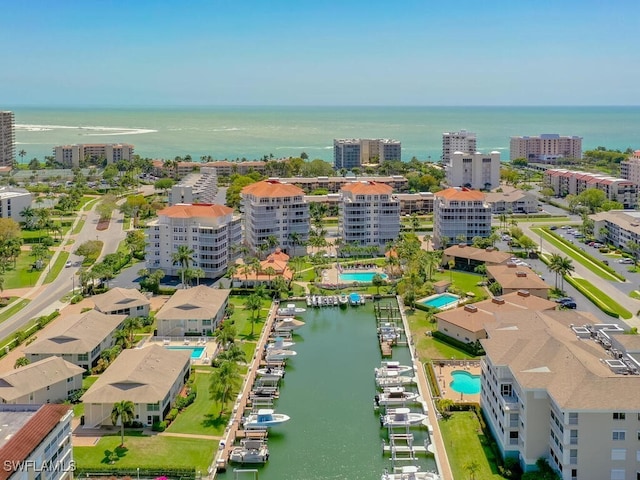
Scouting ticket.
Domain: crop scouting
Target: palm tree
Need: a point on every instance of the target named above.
(634, 248)
(472, 467)
(232, 354)
(125, 412)
(198, 273)
(28, 214)
(554, 261)
(226, 334)
(22, 154)
(130, 325)
(295, 239)
(377, 280)
(184, 257)
(253, 303)
(564, 267)
(224, 382)
(481, 269)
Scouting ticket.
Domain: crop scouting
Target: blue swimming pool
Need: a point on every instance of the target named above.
(360, 277)
(196, 352)
(464, 382)
(441, 300)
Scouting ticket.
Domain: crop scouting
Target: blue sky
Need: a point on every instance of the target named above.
(322, 52)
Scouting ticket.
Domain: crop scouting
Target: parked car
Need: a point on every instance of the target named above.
(564, 299)
(68, 264)
(571, 305)
(553, 227)
(626, 260)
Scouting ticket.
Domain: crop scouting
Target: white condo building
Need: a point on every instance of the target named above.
(369, 214)
(13, 201)
(459, 214)
(7, 139)
(275, 209)
(196, 188)
(630, 168)
(355, 152)
(35, 436)
(546, 148)
(209, 230)
(71, 155)
(561, 386)
(461, 141)
(474, 170)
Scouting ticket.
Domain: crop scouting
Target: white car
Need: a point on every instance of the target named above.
(626, 260)
(68, 264)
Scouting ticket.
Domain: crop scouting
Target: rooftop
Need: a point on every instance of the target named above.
(368, 188)
(480, 254)
(272, 189)
(461, 193)
(516, 277)
(196, 210)
(199, 302)
(118, 298)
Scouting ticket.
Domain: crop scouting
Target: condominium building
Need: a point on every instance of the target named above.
(209, 230)
(459, 214)
(13, 201)
(546, 148)
(561, 386)
(36, 442)
(399, 183)
(617, 227)
(7, 139)
(71, 155)
(630, 168)
(354, 152)
(369, 214)
(509, 199)
(275, 210)
(196, 188)
(474, 170)
(565, 182)
(461, 141)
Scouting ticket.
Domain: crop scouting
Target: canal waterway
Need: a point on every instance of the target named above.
(334, 432)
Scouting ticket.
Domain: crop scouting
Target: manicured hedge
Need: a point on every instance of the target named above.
(470, 348)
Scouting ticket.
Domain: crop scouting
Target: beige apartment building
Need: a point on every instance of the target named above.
(561, 386)
(513, 278)
(459, 214)
(630, 168)
(192, 311)
(564, 182)
(474, 170)
(199, 187)
(369, 214)
(617, 227)
(546, 148)
(461, 141)
(7, 139)
(275, 209)
(71, 155)
(209, 230)
(351, 153)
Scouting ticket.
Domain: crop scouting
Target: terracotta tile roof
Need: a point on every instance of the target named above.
(461, 194)
(272, 188)
(516, 277)
(368, 188)
(197, 210)
(19, 447)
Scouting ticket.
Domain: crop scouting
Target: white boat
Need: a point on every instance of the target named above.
(309, 301)
(334, 299)
(265, 418)
(271, 372)
(250, 451)
(343, 299)
(409, 472)
(279, 354)
(391, 366)
(288, 324)
(291, 309)
(395, 396)
(401, 417)
(280, 343)
(389, 332)
(394, 379)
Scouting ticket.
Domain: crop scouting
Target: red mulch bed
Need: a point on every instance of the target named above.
(103, 225)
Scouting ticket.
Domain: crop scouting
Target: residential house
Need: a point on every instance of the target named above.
(122, 301)
(468, 258)
(513, 278)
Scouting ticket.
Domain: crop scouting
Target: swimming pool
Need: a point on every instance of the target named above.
(196, 352)
(441, 300)
(360, 277)
(464, 382)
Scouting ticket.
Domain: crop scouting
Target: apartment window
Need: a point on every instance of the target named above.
(618, 474)
(619, 416)
(618, 454)
(619, 435)
(573, 437)
(573, 418)
(574, 474)
(573, 456)
(153, 407)
(506, 389)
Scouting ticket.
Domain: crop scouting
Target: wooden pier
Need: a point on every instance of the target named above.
(385, 348)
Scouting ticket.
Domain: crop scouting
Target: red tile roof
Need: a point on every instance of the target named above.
(196, 210)
(26, 440)
(461, 194)
(368, 188)
(272, 188)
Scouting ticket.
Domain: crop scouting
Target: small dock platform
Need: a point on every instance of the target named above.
(385, 348)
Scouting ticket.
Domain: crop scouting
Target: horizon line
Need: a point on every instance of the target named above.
(123, 106)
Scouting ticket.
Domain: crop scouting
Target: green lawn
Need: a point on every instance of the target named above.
(465, 281)
(525, 219)
(202, 416)
(57, 267)
(576, 254)
(466, 443)
(426, 346)
(242, 317)
(147, 452)
(6, 312)
(602, 298)
(78, 226)
(21, 275)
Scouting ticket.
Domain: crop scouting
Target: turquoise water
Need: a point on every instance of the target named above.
(464, 382)
(441, 300)
(251, 132)
(362, 277)
(334, 432)
(196, 352)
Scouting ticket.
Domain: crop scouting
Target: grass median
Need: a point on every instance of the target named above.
(601, 300)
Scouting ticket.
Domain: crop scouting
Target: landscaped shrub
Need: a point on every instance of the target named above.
(171, 416)
(474, 349)
(433, 381)
(184, 402)
(159, 426)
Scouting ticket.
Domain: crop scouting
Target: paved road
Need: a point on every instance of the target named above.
(46, 299)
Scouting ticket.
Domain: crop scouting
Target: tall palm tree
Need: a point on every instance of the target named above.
(564, 267)
(22, 153)
(554, 262)
(183, 257)
(253, 303)
(125, 412)
(295, 239)
(28, 214)
(224, 382)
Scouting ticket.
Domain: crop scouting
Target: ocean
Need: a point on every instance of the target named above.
(252, 132)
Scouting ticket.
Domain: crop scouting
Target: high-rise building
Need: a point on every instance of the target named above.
(369, 214)
(275, 211)
(354, 152)
(459, 214)
(461, 141)
(196, 188)
(474, 170)
(630, 168)
(546, 148)
(71, 155)
(7, 139)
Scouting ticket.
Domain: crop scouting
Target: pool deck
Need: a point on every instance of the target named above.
(332, 274)
(208, 343)
(446, 306)
(444, 379)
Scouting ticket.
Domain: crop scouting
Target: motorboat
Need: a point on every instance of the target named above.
(264, 418)
(401, 417)
(291, 309)
(389, 366)
(343, 299)
(388, 332)
(280, 343)
(309, 301)
(263, 391)
(250, 450)
(288, 324)
(395, 396)
(271, 372)
(355, 299)
(409, 472)
(279, 354)
(394, 379)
